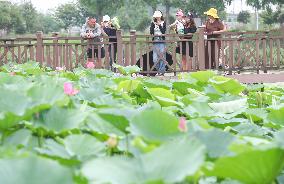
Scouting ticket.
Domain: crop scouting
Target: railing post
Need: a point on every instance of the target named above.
(119, 47)
(257, 58)
(264, 40)
(133, 46)
(39, 47)
(201, 49)
(55, 50)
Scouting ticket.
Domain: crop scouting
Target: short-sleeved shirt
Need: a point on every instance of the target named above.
(215, 26)
(179, 27)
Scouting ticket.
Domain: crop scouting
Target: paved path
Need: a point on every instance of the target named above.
(270, 77)
(258, 78)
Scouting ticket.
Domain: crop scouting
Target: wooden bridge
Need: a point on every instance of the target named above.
(259, 52)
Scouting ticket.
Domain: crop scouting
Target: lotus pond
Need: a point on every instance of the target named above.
(95, 126)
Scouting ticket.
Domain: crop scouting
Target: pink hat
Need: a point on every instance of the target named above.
(179, 13)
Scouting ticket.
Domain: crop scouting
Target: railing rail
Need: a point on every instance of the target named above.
(231, 51)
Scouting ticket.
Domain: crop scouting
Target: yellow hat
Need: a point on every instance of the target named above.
(212, 12)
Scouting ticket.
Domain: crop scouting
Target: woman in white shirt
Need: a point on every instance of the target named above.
(158, 29)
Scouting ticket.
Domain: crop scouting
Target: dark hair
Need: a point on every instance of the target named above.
(190, 22)
(162, 18)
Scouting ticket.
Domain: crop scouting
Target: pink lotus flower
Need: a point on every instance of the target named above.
(12, 73)
(182, 124)
(69, 90)
(90, 65)
(59, 68)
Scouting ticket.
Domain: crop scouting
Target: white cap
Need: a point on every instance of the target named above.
(157, 14)
(106, 18)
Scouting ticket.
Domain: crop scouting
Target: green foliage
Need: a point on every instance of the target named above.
(98, 8)
(124, 129)
(244, 17)
(134, 9)
(69, 14)
(10, 17)
(199, 7)
(30, 17)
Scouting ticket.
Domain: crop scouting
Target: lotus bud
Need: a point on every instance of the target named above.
(112, 141)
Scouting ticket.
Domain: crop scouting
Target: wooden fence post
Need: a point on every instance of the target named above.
(201, 49)
(264, 44)
(119, 47)
(55, 50)
(133, 46)
(39, 47)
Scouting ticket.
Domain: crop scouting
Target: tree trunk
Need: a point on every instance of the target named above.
(167, 15)
(153, 9)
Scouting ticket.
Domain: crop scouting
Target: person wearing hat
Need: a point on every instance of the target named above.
(178, 25)
(213, 28)
(110, 31)
(158, 29)
(91, 30)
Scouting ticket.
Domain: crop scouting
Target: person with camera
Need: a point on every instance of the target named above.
(110, 29)
(158, 29)
(91, 30)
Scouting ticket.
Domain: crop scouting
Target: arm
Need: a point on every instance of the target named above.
(152, 28)
(221, 27)
(192, 29)
(98, 31)
(83, 31)
(173, 24)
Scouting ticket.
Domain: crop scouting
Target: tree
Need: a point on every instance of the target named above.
(272, 17)
(30, 16)
(100, 7)
(134, 15)
(10, 17)
(260, 4)
(48, 23)
(153, 4)
(69, 15)
(244, 17)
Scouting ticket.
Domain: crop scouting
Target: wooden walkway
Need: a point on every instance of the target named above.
(259, 78)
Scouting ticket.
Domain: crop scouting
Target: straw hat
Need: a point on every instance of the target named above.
(106, 18)
(212, 12)
(157, 14)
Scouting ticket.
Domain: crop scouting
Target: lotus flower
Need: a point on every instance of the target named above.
(112, 141)
(59, 68)
(90, 65)
(12, 73)
(182, 124)
(69, 90)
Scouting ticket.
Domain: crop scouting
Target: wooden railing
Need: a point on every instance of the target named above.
(259, 51)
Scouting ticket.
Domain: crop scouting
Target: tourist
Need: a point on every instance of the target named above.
(91, 30)
(110, 31)
(213, 28)
(158, 29)
(178, 25)
(189, 28)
